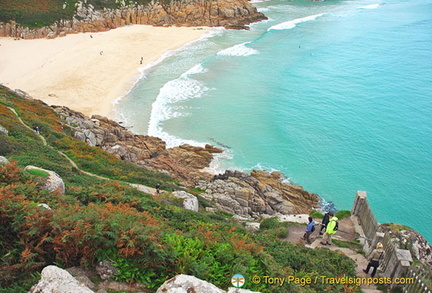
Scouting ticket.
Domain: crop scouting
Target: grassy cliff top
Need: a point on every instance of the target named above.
(149, 238)
(40, 13)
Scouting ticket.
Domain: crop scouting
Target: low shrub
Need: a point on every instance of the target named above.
(342, 214)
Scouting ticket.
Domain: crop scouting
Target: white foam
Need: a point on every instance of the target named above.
(371, 6)
(238, 50)
(180, 89)
(195, 70)
(145, 69)
(292, 23)
(216, 165)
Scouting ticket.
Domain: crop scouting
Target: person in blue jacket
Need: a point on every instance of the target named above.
(309, 230)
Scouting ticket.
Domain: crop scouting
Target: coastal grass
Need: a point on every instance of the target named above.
(147, 238)
(38, 172)
(353, 245)
(339, 214)
(343, 214)
(273, 227)
(25, 146)
(36, 14)
(114, 222)
(316, 214)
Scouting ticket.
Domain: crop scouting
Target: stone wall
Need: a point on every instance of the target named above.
(401, 246)
(366, 217)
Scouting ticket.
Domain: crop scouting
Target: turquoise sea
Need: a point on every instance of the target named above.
(337, 95)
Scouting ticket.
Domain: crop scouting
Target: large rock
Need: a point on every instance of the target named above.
(191, 284)
(57, 280)
(106, 270)
(3, 161)
(53, 182)
(187, 284)
(260, 193)
(3, 130)
(406, 238)
(190, 201)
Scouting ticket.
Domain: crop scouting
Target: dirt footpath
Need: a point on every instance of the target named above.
(346, 233)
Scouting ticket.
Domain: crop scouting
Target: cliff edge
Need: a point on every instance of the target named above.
(235, 14)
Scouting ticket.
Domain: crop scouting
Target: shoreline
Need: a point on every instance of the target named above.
(88, 72)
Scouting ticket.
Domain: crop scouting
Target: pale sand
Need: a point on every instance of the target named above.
(88, 71)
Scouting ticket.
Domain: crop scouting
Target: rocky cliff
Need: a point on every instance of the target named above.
(227, 13)
(184, 162)
(256, 194)
(249, 195)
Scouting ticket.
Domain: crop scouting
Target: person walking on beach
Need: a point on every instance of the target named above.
(330, 230)
(309, 230)
(324, 223)
(374, 259)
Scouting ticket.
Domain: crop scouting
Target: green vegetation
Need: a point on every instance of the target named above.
(316, 214)
(38, 172)
(342, 214)
(146, 237)
(353, 245)
(274, 228)
(24, 146)
(36, 14)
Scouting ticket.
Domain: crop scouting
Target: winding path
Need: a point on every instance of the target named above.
(140, 187)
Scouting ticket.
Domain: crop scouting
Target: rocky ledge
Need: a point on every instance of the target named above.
(235, 14)
(248, 195)
(184, 162)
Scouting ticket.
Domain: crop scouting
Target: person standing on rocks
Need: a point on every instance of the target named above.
(374, 259)
(309, 230)
(330, 230)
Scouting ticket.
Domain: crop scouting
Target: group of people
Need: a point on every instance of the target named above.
(329, 226)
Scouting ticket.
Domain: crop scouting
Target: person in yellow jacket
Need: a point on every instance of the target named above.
(330, 230)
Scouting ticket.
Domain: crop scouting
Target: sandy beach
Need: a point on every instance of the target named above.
(88, 71)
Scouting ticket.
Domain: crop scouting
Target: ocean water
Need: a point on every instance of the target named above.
(336, 95)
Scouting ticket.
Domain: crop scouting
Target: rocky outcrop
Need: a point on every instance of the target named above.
(188, 284)
(3, 161)
(190, 201)
(184, 162)
(411, 240)
(226, 13)
(257, 194)
(53, 182)
(106, 270)
(3, 130)
(56, 280)
(249, 195)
